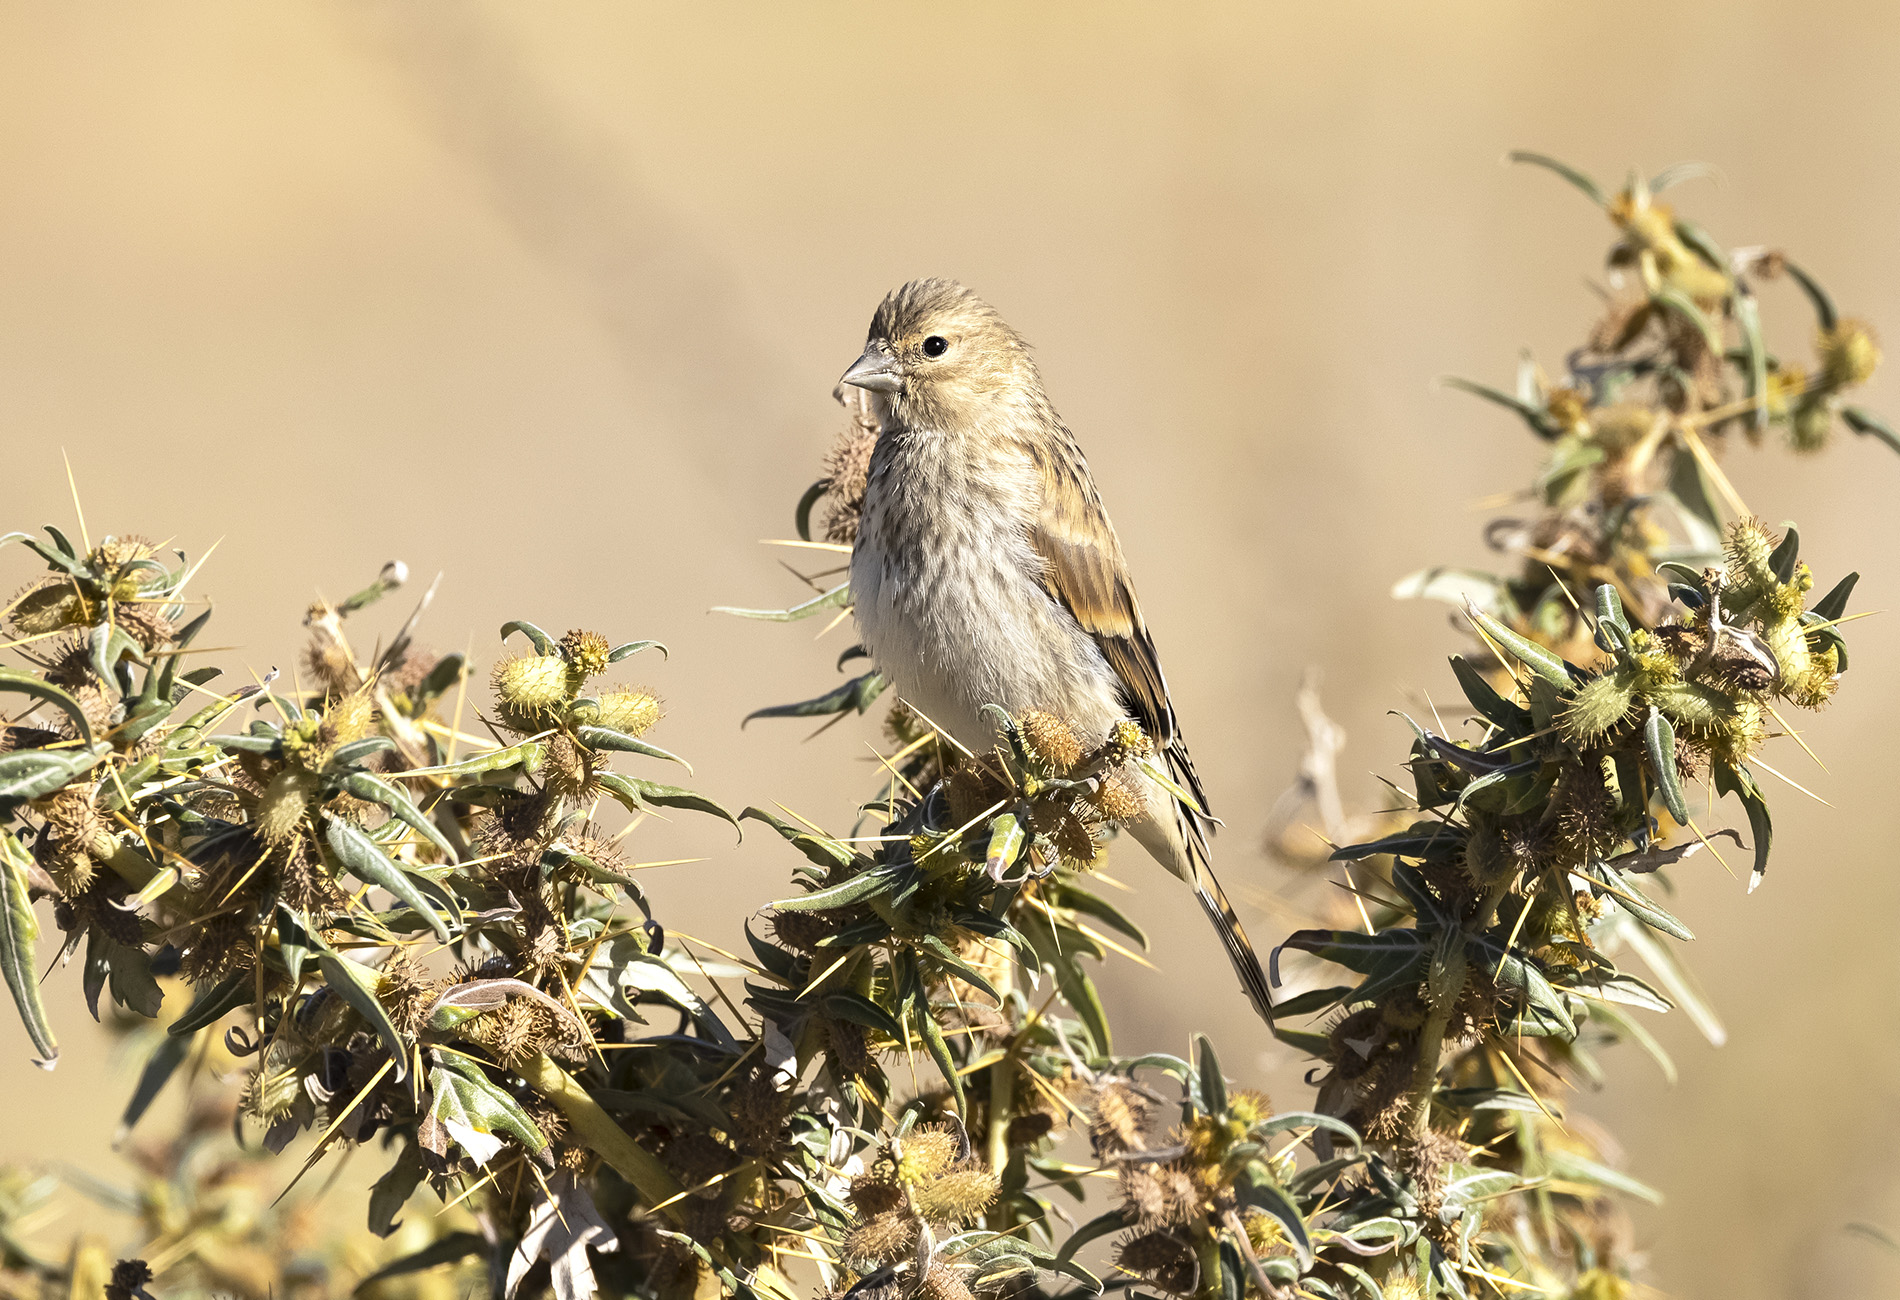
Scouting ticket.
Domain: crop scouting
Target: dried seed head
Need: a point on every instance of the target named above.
(1125, 742)
(1599, 707)
(272, 1091)
(281, 808)
(406, 989)
(1748, 547)
(847, 470)
(1121, 1119)
(970, 788)
(349, 718)
(628, 709)
(882, 1238)
(571, 771)
(1849, 354)
(927, 1152)
(944, 1282)
(1163, 1259)
(47, 606)
(849, 1055)
(586, 655)
(1050, 740)
(959, 1194)
(1622, 425)
(801, 931)
(1120, 797)
(875, 1192)
(1812, 426)
(78, 836)
(528, 690)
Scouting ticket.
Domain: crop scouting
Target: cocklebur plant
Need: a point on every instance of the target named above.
(404, 932)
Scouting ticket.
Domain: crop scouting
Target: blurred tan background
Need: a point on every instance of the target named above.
(552, 298)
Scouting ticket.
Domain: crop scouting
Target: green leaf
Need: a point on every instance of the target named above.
(1494, 708)
(838, 596)
(821, 849)
(857, 694)
(1006, 842)
(1565, 170)
(357, 751)
(1532, 414)
(1748, 318)
(636, 795)
(1524, 975)
(294, 944)
(1079, 900)
(1782, 561)
(801, 518)
(1454, 586)
(1740, 782)
(543, 643)
(1288, 1120)
(159, 1068)
(19, 932)
(35, 773)
(392, 1191)
(1833, 605)
(1258, 1191)
(24, 683)
(127, 968)
(1213, 1087)
(474, 1102)
(1629, 1026)
(1364, 954)
(1824, 312)
(1863, 421)
(946, 956)
(860, 1010)
(356, 985)
(363, 858)
(1078, 990)
(527, 753)
(1101, 1225)
(456, 1246)
(1540, 661)
(1310, 1003)
(373, 789)
(1575, 1169)
(1659, 738)
(620, 742)
(939, 1050)
(214, 1003)
(1424, 840)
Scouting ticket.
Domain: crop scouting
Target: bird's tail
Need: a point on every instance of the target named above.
(1192, 827)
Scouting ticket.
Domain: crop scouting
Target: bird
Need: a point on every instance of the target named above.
(985, 570)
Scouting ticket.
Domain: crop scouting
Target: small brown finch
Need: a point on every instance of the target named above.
(985, 570)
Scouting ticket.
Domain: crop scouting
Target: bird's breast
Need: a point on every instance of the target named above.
(949, 596)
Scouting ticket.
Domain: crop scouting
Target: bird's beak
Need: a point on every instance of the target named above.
(877, 370)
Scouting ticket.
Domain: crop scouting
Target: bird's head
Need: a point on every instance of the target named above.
(935, 350)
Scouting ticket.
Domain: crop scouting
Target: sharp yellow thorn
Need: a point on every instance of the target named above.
(78, 510)
(1756, 759)
(838, 547)
(1795, 736)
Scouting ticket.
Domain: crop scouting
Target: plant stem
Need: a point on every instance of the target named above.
(1431, 1036)
(606, 1139)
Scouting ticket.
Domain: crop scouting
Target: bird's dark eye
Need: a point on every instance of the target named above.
(936, 345)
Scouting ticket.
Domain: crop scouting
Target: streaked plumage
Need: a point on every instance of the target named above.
(986, 570)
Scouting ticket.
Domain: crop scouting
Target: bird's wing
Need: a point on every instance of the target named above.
(1084, 571)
